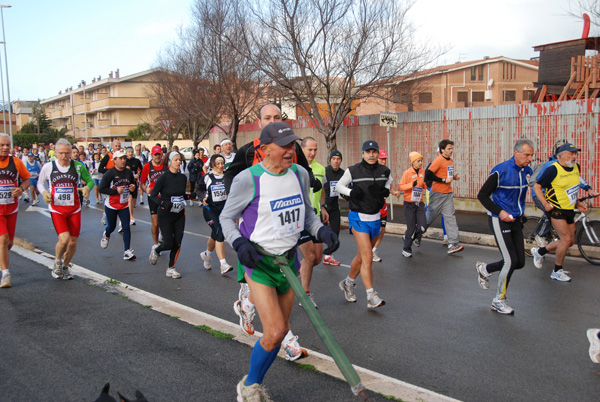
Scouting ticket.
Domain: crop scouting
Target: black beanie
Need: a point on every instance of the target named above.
(335, 152)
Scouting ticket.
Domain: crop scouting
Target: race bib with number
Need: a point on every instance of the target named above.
(178, 204)
(332, 191)
(450, 171)
(6, 195)
(287, 215)
(124, 195)
(417, 193)
(572, 194)
(64, 196)
(218, 192)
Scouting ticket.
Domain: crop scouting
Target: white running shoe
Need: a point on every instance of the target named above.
(207, 260)
(103, 219)
(252, 393)
(455, 248)
(153, 256)
(406, 254)
(293, 351)
(348, 291)
(482, 275)
(375, 301)
(172, 273)
(66, 273)
(312, 299)
(501, 307)
(246, 319)
(226, 268)
(542, 242)
(120, 227)
(132, 222)
(538, 259)
(376, 257)
(5, 281)
(128, 255)
(35, 202)
(417, 242)
(593, 336)
(104, 240)
(560, 275)
(57, 270)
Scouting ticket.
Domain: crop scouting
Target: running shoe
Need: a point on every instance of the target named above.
(128, 255)
(172, 273)
(207, 259)
(98, 202)
(244, 292)
(103, 219)
(57, 270)
(293, 351)
(226, 268)
(132, 222)
(35, 202)
(246, 319)
(500, 306)
(329, 260)
(445, 241)
(153, 256)
(376, 257)
(26, 199)
(348, 291)
(191, 203)
(455, 248)
(66, 273)
(483, 275)
(120, 227)
(542, 242)
(407, 254)
(593, 335)
(560, 275)
(252, 393)
(417, 242)
(87, 202)
(142, 202)
(374, 301)
(312, 299)
(104, 240)
(5, 281)
(538, 259)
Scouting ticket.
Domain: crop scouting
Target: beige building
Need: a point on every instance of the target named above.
(104, 109)
(487, 82)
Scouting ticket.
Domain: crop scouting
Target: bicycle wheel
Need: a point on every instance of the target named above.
(588, 242)
(529, 233)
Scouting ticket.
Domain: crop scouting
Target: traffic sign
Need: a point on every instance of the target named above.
(388, 119)
(166, 123)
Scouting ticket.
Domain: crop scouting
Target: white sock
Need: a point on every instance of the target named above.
(5, 272)
(208, 253)
(223, 261)
(247, 305)
(349, 280)
(288, 336)
(374, 249)
(369, 291)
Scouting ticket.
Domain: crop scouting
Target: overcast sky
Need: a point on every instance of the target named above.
(55, 44)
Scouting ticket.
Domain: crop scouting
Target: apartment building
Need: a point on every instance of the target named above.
(486, 82)
(104, 109)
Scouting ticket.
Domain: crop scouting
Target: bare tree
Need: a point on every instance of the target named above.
(237, 82)
(591, 7)
(326, 56)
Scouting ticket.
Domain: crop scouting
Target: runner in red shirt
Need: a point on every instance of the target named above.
(11, 170)
(150, 173)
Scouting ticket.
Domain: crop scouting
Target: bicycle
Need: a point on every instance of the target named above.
(588, 245)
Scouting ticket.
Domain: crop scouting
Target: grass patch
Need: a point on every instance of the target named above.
(175, 317)
(214, 332)
(393, 398)
(124, 297)
(24, 244)
(308, 367)
(146, 306)
(112, 281)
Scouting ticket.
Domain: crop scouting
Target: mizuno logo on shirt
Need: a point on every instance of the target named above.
(286, 202)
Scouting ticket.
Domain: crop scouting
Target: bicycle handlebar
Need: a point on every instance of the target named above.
(589, 197)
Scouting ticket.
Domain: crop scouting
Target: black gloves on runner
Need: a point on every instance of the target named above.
(316, 185)
(326, 235)
(415, 183)
(356, 194)
(166, 205)
(246, 253)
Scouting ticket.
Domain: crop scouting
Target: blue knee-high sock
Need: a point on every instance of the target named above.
(260, 361)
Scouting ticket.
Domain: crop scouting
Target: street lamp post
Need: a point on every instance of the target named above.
(2, 7)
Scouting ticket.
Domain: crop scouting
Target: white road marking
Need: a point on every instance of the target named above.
(372, 380)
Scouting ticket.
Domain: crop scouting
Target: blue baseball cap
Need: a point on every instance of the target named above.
(370, 144)
(567, 147)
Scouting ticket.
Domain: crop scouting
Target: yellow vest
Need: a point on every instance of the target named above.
(565, 187)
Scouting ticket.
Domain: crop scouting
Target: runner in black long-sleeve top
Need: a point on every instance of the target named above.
(171, 212)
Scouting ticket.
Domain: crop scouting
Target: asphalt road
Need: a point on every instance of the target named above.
(436, 331)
